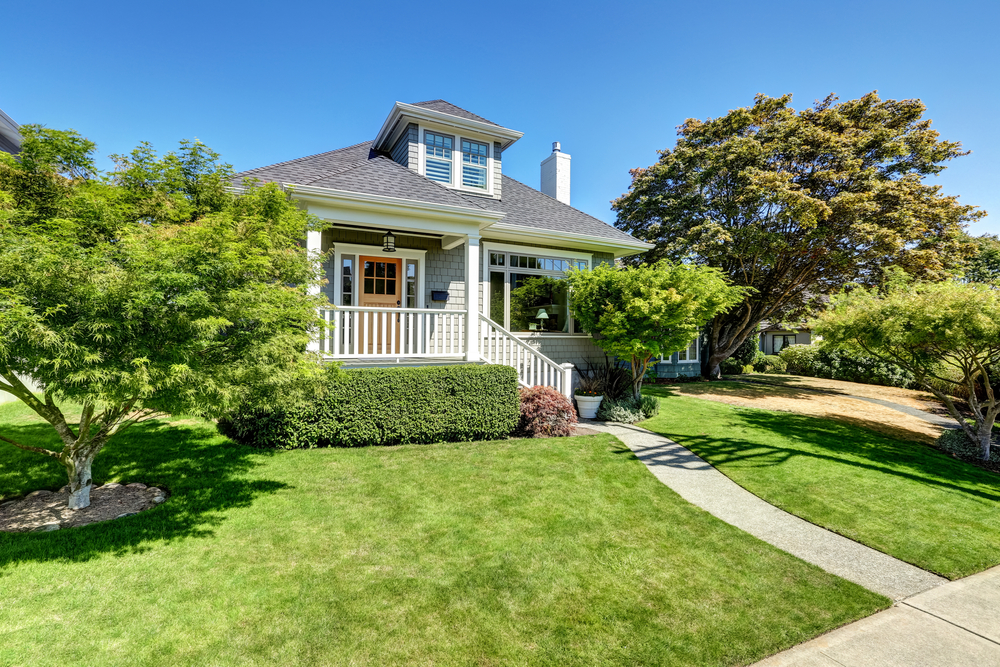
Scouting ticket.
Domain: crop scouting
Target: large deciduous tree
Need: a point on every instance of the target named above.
(797, 203)
(946, 331)
(637, 313)
(152, 289)
(984, 265)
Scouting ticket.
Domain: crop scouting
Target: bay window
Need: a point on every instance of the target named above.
(528, 292)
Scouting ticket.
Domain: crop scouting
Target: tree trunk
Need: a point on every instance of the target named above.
(78, 467)
(985, 435)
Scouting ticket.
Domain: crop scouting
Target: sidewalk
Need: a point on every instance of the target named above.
(950, 625)
(702, 485)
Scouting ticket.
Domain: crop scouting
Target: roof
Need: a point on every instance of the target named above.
(527, 207)
(452, 110)
(361, 169)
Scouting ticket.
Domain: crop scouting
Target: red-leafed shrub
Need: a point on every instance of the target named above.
(545, 413)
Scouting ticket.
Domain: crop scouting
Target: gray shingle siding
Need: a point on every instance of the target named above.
(446, 271)
(406, 151)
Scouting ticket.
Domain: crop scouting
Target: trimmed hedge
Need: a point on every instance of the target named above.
(835, 364)
(390, 406)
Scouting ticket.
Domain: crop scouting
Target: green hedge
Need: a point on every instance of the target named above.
(390, 406)
(834, 364)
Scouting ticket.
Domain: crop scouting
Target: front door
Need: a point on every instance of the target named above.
(381, 287)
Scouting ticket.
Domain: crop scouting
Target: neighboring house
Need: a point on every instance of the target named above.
(437, 256)
(774, 338)
(10, 142)
(10, 134)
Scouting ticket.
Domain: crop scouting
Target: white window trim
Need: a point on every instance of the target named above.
(697, 352)
(484, 278)
(489, 155)
(456, 166)
(341, 249)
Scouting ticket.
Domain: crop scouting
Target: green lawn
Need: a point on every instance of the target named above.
(555, 552)
(903, 498)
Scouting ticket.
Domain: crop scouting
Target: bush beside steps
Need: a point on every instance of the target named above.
(390, 406)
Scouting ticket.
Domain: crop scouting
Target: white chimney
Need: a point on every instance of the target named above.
(555, 174)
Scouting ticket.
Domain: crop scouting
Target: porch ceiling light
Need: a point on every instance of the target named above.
(388, 242)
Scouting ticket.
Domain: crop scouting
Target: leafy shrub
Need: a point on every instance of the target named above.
(390, 406)
(954, 441)
(650, 406)
(624, 410)
(545, 413)
(628, 410)
(836, 364)
(590, 383)
(747, 353)
(771, 363)
(733, 366)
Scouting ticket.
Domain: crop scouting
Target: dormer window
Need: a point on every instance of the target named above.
(438, 158)
(474, 156)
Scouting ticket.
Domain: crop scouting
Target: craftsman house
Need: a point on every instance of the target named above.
(437, 256)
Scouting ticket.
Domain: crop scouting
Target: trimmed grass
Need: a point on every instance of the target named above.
(531, 552)
(903, 498)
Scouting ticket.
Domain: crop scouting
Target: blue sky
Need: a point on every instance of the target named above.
(267, 82)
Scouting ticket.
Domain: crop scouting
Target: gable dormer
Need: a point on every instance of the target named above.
(448, 145)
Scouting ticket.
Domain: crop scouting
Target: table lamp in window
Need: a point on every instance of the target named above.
(541, 315)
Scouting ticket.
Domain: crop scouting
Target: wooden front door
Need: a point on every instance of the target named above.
(381, 287)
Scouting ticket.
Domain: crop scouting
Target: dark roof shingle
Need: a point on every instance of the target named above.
(452, 110)
(360, 169)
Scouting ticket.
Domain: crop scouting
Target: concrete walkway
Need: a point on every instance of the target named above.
(702, 485)
(953, 624)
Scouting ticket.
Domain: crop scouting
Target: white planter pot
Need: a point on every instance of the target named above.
(587, 405)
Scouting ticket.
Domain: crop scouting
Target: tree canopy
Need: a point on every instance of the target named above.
(984, 264)
(637, 313)
(945, 331)
(151, 289)
(795, 204)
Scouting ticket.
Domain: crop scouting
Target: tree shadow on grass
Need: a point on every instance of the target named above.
(203, 473)
(836, 442)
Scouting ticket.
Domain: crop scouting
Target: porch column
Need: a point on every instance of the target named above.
(314, 245)
(472, 299)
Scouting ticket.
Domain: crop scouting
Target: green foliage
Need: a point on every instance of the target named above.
(152, 289)
(954, 441)
(795, 204)
(771, 363)
(636, 313)
(389, 406)
(984, 265)
(850, 366)
(731, 366)
(924, 328)
(545, 413)
(628, 410)
(748, 352)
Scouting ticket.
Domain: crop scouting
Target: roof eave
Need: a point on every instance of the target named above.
(620, 247)
(381, 202)
(401, 109)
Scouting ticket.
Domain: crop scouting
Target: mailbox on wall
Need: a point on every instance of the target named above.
(439, 295)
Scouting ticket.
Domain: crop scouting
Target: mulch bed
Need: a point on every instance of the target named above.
(41, 511)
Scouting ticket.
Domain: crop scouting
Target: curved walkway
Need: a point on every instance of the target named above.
(700, 484)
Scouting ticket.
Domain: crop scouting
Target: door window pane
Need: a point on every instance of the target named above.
(411, 284)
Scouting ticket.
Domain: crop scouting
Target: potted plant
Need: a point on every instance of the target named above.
(589, 394)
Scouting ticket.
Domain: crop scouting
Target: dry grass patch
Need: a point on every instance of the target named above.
(914, 398)
(791, 398)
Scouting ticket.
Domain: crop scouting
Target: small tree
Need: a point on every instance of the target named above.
(150, 290)
(641, 312)
(925, 328)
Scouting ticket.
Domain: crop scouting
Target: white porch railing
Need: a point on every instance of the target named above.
(393, 333)
(499, 346)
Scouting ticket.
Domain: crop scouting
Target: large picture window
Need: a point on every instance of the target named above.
(527, 293)
(689, 354)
